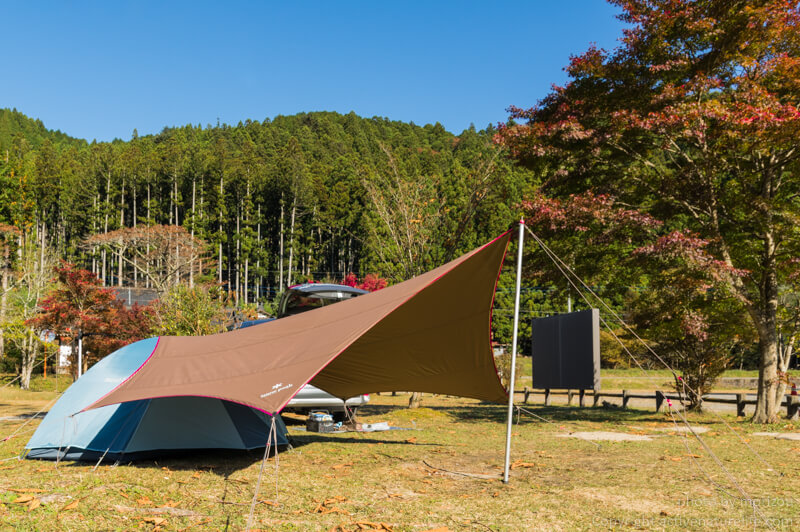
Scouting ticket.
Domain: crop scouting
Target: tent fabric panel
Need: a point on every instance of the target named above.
(115, 434)
(253, 426)
(185, 423)
(94, 384)
(265, 366)
(439, 341)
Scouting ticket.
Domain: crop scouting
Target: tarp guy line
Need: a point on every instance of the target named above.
(553, 257)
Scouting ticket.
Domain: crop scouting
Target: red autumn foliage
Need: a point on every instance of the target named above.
(80, 305)
(370, 283)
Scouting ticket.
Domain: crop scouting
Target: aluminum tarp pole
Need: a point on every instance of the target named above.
(513, 353)
(80, 354)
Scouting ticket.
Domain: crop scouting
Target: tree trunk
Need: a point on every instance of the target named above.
(415, 400)
(133, 222)
(191, 263)
(237, 274)
(4, 295)
(291, 243)
(28, 360)
(121, 225)
(258, 260)
(105, 224)
(221, 202)
(784, 357)
(149, 222)
(280, 251)
(767, 407)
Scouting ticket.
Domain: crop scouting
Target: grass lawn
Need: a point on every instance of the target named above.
(421, 479)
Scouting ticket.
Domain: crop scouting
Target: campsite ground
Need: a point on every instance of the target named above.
(445, 473)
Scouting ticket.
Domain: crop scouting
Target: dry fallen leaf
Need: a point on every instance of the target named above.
(158, 521)
(35, 503)
(340, 466)
(169, 504)
(520, 463)
(27, 490)
(144, 501)
(411, 440)
(70, 506)
(196, 474)
(22, 499)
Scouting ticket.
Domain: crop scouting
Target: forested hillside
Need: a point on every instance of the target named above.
(17, 130)
(309, 196)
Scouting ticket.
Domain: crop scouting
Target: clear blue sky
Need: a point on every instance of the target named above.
(97, 70)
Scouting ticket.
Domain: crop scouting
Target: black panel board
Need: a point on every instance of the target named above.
(566, 351)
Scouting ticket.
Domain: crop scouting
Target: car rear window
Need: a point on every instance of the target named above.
(298, 302)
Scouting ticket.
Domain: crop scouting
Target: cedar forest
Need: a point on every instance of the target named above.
(665, 172)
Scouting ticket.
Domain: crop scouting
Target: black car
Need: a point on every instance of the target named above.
(305, 297)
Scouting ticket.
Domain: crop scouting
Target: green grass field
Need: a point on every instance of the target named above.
(444, 474)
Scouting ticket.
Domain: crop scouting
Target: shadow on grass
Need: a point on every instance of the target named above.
(489, 412)
(226, 462)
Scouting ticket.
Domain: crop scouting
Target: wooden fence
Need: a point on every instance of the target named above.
(791, 402)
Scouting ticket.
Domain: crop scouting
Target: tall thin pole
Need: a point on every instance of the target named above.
(513, 353)
(80, 354)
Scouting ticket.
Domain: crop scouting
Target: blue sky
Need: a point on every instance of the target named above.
(97, 70)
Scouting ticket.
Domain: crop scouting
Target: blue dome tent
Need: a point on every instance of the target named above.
(149, 427)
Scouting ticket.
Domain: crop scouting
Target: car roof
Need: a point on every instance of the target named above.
(312, 288)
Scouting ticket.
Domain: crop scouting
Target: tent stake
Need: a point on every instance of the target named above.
(513, 354)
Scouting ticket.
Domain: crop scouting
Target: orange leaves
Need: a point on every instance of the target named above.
(342, 466)
(28, 500)
(326, 506)
(169, 504)
(522, 464)
(70, 506)
(157, 521)
(144, 501)
(362, 526)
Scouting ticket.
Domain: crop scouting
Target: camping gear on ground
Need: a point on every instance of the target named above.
(428, 334)
(320, 422)
(144, 428)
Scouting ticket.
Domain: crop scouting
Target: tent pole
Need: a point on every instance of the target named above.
(513, 353)
(80, 354)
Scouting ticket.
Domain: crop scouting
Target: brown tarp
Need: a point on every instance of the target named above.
(428, 334)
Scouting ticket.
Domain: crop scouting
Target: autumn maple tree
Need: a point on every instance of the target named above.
(370, 283)
(80, 306)
(694, 121)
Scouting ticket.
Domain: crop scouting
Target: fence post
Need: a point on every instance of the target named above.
(595, 398)
(527, 394)
(740, 404)
(659, 400)
(570, 393)
(625, 398)
(547, 397)
(792, 406)
(581, 396)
